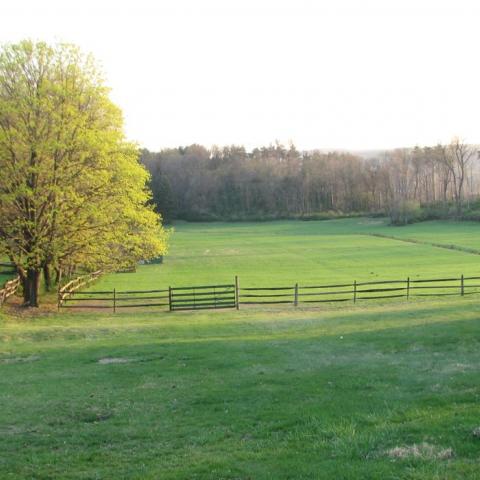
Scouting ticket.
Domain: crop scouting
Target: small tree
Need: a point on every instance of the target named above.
(71, 189)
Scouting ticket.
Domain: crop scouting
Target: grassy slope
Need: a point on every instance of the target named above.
(247, 395)
(277, 253)
(255, 394)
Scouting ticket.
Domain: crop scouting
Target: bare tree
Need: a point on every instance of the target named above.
(458, 157)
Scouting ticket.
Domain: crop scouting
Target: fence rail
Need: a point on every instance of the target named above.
(114, 299)
(209, 297)
(9, 289)
(232, 296)
(356, 291)
(66, 292)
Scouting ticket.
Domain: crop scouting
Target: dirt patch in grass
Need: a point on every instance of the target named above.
(371, 222)
(14, 307)
(15, 430)
(30, 358)
(93, 415)
(457, 367)
(422, 451)
(109, 360)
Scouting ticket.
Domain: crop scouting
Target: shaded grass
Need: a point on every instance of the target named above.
(252, 394)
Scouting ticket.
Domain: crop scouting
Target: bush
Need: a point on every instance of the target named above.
(405, 212)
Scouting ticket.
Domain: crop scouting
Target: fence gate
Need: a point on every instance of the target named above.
(203, 297)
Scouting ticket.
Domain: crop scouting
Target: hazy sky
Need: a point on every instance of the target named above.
(329, 74)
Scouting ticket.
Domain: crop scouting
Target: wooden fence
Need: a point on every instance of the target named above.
(66, 292)
(203, 297)
(115, 299)
(9, 289)
(232, 296)
(359, 291)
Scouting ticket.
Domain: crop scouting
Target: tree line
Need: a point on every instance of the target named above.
(277, 181)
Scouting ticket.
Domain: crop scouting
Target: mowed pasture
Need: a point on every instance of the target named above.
(310, 253)
(368, 392)
(384, 390)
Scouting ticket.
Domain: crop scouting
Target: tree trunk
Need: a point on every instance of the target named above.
(31, 287)
(460, 197)
(58, 276)
(47, 277)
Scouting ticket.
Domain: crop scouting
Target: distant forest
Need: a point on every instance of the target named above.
(200, 184)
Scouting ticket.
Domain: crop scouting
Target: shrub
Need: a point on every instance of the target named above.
(405, 212)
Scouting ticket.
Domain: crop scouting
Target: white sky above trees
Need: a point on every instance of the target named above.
(352, 74)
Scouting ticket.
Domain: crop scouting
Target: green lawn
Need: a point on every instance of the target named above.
(286, 252)
(255, 394)
(387, 390)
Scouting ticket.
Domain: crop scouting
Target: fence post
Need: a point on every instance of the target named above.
(354, 291)
(114, 301)
(462, 286)
(237, 300)
(408, 288)
(58, 299)
(295, 300)
(170, 299)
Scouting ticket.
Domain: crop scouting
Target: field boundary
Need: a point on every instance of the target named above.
(233, 296)
(450, 246)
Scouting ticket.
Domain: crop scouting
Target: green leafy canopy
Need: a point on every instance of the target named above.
(71, 188)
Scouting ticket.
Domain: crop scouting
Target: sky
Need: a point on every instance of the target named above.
(330, 74)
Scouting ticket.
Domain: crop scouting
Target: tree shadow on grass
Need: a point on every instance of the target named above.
(270, 404)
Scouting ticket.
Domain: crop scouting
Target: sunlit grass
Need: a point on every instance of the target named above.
(285, 252)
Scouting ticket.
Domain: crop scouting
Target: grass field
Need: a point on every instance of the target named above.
(244, 395)
(368, 391)
(286, 252)
(462, 234)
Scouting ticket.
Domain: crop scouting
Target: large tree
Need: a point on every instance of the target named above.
(71, 189)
